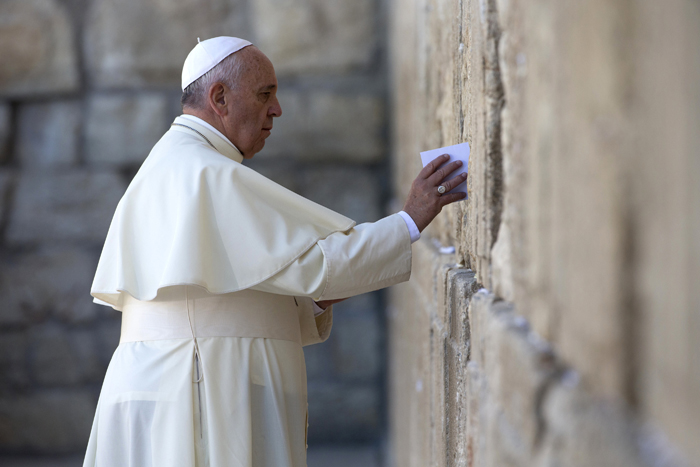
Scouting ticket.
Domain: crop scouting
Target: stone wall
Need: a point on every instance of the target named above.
(86, 88)
(564, 328)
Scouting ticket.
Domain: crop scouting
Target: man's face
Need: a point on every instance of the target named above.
(252, 104)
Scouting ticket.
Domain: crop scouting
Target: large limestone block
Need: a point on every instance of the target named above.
(302, 36)
(121, 130)
(145, 43)
(56, 421)
(429, 268)
(409, 380)
(48, 282)
(65, 206)
(328, 126)
(49, 134)
(584, 431)
(517, 367)
(36, 44)
(666, 233)
(456, 358)
(455, 288)
(437, 389)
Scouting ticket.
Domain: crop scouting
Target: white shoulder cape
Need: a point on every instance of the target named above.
(194, 215)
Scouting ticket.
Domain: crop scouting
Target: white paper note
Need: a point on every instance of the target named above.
(458, 152)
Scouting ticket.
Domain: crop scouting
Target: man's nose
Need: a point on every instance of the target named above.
(276, 109)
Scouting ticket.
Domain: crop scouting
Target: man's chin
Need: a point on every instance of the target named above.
(255, 150)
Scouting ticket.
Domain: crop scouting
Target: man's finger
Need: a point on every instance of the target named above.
(455, 182)
(451, 198)
(432, 166)
(440, 175)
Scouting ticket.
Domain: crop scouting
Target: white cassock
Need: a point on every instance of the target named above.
(215, 269)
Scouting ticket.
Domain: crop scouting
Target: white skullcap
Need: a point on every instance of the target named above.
(207, 54)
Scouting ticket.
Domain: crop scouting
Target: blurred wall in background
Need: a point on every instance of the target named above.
(86, 88)
(582, 230)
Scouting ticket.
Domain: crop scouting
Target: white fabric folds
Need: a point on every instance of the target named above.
(242, 402)
(193, 214)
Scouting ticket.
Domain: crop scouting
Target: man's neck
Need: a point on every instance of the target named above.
(207, 117)
(188, 113)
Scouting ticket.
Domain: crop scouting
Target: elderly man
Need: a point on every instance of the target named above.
(222, 276)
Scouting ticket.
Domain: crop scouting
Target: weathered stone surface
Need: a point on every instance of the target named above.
(121, 130)
(343, 413)
(461, 285)
(517, 366)
(36, 43)
(409, 373)
(583, 431)
(48, 422)
(303, 36)
(122, 49)
(49, 135)
(571, 221)
(327, 126)
(48, 282)
(353, 192)
(437, 389)
(5, 130)
(65, 206)
(356, 339)
(428, 269)
(665, 227)
(13, 361)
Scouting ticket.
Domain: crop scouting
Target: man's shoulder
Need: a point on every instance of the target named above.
(178, 151)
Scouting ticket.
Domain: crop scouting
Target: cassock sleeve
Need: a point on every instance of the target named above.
(368, 257)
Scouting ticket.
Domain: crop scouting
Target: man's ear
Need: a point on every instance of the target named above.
(217, 99)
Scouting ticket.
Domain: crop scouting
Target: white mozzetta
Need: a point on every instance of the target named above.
(194, 215)
(208, 126)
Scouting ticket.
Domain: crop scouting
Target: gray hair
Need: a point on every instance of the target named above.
(228, 72)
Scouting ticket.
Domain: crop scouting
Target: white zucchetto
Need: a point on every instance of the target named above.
(207, 54)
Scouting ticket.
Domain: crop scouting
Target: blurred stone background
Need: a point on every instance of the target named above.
(86, 88)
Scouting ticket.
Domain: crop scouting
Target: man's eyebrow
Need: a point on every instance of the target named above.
(269, 87)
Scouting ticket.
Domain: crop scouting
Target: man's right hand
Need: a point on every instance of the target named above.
(424, 202)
